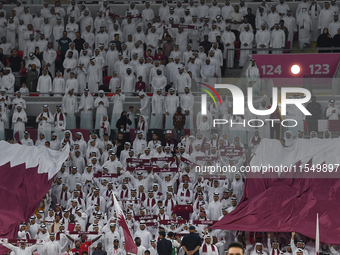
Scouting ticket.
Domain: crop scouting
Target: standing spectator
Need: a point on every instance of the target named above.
(16, 64)
(70, 108)
(19, 119)
(246, 40)
(332, 112)
(164, 246)
(45, 120)
(86, 110)
(32, 78)
(324, 40)
(304, 24)
(315, 109)
(49, 57)
(44, 84)
(179, 122)
(64, 45)
(191, 243)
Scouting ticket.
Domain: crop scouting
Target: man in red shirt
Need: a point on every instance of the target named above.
(82, 245)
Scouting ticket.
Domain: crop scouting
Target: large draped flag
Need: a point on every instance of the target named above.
(26, 175)
(292, 201)
(130, 245)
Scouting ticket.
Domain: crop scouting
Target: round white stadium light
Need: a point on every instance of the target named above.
(295, 69)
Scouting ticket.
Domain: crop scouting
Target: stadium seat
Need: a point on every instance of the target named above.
(237, 46)
(287, 47)
(20, 53)
(107, 80)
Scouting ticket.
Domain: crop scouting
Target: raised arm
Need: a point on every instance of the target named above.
(70, 238)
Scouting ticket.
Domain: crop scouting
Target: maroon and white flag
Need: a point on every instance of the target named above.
(26, 175)
(130, 245)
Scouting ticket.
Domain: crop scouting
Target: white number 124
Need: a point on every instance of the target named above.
(269, 70)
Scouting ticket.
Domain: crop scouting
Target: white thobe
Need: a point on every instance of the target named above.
(171, 104)
(128, 83)
(58, 86)
(93, 78)
(333, 28)
(290, 24)
(156, 121)
(246, 38)
(69, 63)
(272, 19)
(49, 57)
(277, 40)
(262, 37)
(19, 125)
(44, 85)
(325, 18)
(182, 80)
(229, 38)
(72, 84)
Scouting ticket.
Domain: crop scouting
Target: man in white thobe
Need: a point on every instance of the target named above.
(171, 104)
(273, 18)
(304, 24)
(69, 65)
(334, 26)
(182, 80)
(45, 120)
(253, 76)
(208, 72)
(246, 39)
(156, 120)
(44, 85)
(277, 39)
(49, 57)
(262, 38)
(325, 17)
(70, 108)
(128, 82)
(187, 105)
(158, 81)
(290, 24)
(229, 38)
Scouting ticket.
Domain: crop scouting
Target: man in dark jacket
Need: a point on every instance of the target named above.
(191, 243)
(164, 246)
(179, 122)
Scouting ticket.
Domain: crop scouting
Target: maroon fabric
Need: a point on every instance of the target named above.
(21, 191)
(334, 125)
(287, 204)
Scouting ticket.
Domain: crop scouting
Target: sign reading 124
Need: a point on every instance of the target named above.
(270, 70)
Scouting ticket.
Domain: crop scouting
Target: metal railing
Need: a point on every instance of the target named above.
(308, 50)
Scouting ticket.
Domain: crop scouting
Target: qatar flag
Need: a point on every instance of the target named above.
(26, 175)
(130, 245)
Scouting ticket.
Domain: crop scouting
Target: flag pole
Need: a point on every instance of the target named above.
(317, 237)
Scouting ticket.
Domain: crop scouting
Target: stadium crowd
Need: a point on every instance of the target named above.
(65, 53)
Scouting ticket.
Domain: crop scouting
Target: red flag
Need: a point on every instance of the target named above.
(26, 175)
(130, 245)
